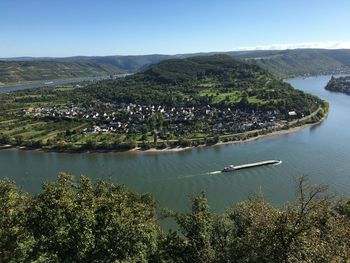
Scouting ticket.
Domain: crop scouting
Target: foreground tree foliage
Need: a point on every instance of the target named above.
(76, 222)
(82, 221)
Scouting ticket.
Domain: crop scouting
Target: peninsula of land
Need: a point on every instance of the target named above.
(177, 103)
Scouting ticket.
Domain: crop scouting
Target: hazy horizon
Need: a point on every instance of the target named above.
(259, 48)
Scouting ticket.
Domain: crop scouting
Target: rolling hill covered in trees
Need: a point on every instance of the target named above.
(299, 62)
(341, 84)
(215, 80)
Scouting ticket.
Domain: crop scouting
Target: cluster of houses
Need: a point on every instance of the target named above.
(53, 112)
(131, 118)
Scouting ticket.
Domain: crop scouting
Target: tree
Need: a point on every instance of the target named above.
(196, 228)
(216, 139)
(15, 241)
(76, 221)
(131, 143)
(244, 100)
(255, 231)
(4, 138)
(343, 207)
(18, 139)
(90, 144)
(155, 137)
(144, 137)
(81, 221)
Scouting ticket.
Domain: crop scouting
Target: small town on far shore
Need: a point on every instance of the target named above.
(139, 119)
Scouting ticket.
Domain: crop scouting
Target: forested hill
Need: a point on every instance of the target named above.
(341, 84)
(299, 62)
(282, 63)
(202, 68)
(217, 80)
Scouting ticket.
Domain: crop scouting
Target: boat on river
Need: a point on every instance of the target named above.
(232, 167)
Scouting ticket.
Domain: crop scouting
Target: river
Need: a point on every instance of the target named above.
(322, 152)
(51, 83)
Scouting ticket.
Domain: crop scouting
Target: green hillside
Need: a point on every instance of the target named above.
(341, 84)
(218, 80)
(21, 71)
(127, 63)
(282, 63)
(217, 67)
(298, 62)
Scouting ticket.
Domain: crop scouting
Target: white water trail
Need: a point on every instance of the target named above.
(215, 172)
(278, 163)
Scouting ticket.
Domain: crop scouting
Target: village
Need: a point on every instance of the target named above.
(139, 119)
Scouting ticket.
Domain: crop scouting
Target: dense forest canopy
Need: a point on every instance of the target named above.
(84, 221)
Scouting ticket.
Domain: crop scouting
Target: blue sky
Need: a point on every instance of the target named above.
(76, 27)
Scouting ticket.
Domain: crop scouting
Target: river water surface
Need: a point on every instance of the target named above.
(52, 83)
(322, 152)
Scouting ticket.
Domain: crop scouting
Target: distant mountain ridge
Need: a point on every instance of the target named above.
(282, 63)
(288, 63)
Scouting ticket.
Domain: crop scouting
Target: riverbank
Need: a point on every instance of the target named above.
(278, 133)
(255, 135)
(20, 83)
(7, 146)
(271, 134)
(55, 82)
(12, 87)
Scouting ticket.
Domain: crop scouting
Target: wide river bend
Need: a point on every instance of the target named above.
(322, 152)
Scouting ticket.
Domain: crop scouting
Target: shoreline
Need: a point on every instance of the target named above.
(271, 134)
(177, 148)
(44, 82)
(28, 82)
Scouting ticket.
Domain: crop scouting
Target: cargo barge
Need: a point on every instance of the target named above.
(232, 168)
